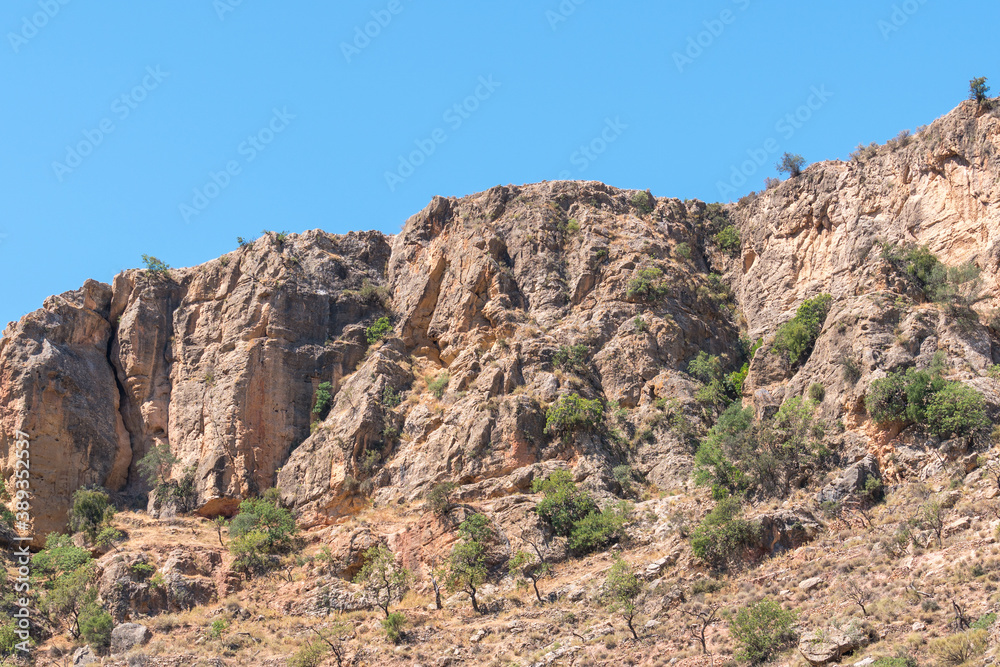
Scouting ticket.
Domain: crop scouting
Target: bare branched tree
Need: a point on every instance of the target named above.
(703, 616)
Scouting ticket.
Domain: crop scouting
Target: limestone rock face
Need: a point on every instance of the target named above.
(57, 386)
(503, 304)
(128, 636)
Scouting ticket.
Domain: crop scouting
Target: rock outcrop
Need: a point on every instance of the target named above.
(502, 304)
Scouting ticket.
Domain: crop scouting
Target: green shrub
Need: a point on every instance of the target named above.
(154, 265)
(955, 286)
(723, 535)
(924, 397)
(393, 626)
(684, 250)
(621, 592)
(59, 557)
(142, 570)
(439, 498)
(95, 626)
(260, 531)
(573, 513)
(90, 512)
(378, 331)
(960, 648)
(958, 410)
(729, 240)
(322, 399)
(791, 164)
(898, 661)
(743, 455)
(647, 284)
(438, 385)
(761, 630)
(797, 336)
(390, 398)
(9, 639)
(218, 628)
(374, 294)
(886, 398)
(985, 621)
(850, 369)
(978, 90)
(705, 367)
(624, 476)
(564, 503)
(572, 358)
(644, 202)
(311, 655)
(598, 529)
(156, 465)
(108, 537)
(572, 413)
(817, 392)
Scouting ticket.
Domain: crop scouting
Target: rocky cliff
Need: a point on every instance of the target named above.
(501, 303)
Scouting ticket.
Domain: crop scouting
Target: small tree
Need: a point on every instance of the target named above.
(91, 511)
(978, 90)
(393, 626)
(338, 632)
(531, 568)
(154, 265)
(439, 498)
(156, 465)
(791, 164)
(378, 331)
(761, 630)
(324, 396)
(621, 592)
(96, 625)
(931, 516)
(382, 579)
(69, 596)
(702, 616)
(467, 570)
(860, 595)
(220, 523)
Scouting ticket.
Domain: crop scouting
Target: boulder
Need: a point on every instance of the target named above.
(851, 480)
(810, 584)
(127, 636)
(85, 656)
(820, 647)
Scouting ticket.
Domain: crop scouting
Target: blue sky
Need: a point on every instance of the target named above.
(171, 128)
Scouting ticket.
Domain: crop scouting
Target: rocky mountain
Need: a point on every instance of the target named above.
(272, 366)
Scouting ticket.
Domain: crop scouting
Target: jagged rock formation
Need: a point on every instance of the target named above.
(222, 361)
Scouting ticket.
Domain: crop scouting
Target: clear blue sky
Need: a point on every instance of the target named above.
(191, 88)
